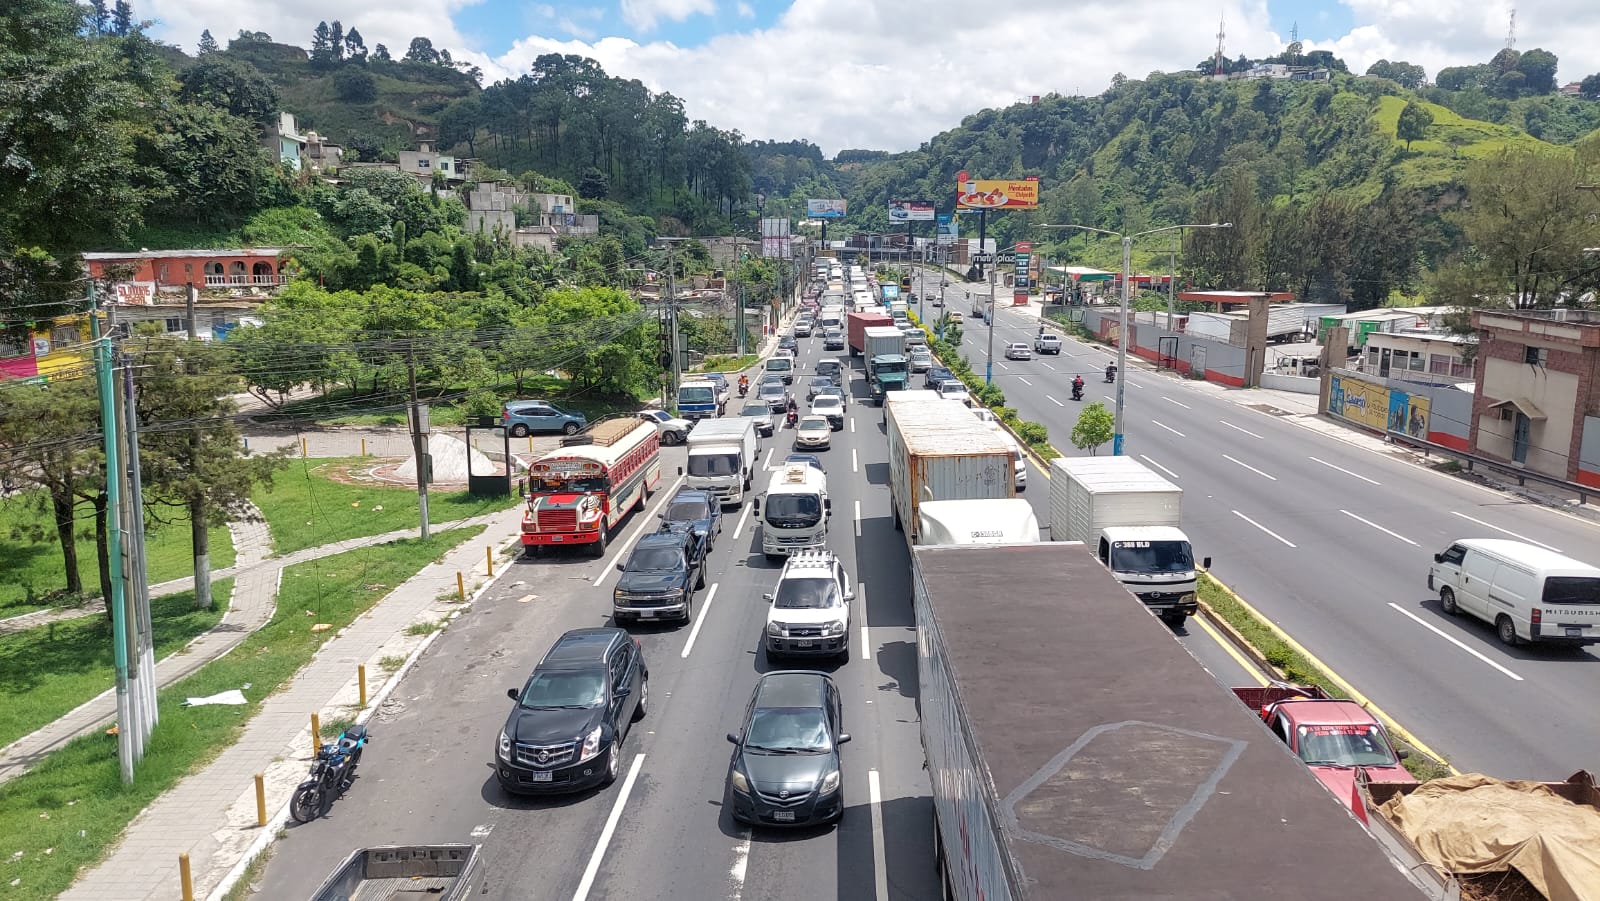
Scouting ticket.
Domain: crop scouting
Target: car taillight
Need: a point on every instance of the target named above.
(1535, 616)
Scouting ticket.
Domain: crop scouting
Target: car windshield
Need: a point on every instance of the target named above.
(564, 689)
(700, 394)
(779, 364)
(787, 730)
(657, 415)
(756, 409)
(825, 402)
(1345, 745)
(719, 464)
(820, 381)
(686, 510)
(655, 559)
(807, 594)
(1151, 557)
(813, 425)
(794, 510)
(952, 388)
(772, 389)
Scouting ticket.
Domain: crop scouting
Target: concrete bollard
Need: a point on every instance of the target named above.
(488, 555)
(316, 735)
(363, 447)
(361, 673)
(184, 877)
(461, 586)
(261, 800)
(303, 451)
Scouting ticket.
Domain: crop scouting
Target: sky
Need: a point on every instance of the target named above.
(891, 74)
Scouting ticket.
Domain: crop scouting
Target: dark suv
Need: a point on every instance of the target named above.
(566, 731)
(660, 577)
(697, 510)
(785, 766)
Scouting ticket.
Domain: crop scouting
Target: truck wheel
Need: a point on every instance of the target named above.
(1174, 619)
(530, 551)
(1447, 601)
(1507, 630)
(598, 548)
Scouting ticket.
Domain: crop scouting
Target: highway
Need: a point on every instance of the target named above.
(660, 831)
(1332, 541)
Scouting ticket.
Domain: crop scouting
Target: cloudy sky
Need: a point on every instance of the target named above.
(889, 74)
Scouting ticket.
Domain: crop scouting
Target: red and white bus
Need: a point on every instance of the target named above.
(577, 494)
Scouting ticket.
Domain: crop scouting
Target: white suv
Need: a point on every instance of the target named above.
(810, 612)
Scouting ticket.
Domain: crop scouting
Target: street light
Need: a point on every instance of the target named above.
(1127, 301)
(988, 369)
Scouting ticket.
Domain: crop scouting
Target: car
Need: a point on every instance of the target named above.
(1334, 738)
(670, 429)
(775, 395)
(761, 412)
(836, 391)
(833, 339)
(816, 384)
(571, 717)
(1016, 350)
(770, 378)
(659, 577)
(697, 510)
(802, 328)
(936, 376)
(952, 389)
(813, 430)
(920, 358)
(788, 343)
(1047, 344)
(957, 318)
(810, 607)
(831, 408)
(807, 459)
(985, 414)
(785, 765)
(833, 369)
(523, 417)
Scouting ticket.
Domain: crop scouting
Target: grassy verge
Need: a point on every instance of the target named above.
(31, 573)
(48, 670)
(1293, 666)
(306, 507)
(447, 405)
(67, 813)
(1034, 434)
(729, 363)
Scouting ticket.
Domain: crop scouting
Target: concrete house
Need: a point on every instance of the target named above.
(1537, 402)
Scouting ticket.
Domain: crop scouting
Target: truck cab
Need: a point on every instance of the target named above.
(697, 399)
(794, 512)
(1157, 565)
(722, 457)
(887, 372)
(1332, 736)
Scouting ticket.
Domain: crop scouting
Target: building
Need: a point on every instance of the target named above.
(558, 212)
(1418, 355)
(50, 349)
(494, 207)
(320, 154)
(1572, 89)
(153, 285)
(423, 162)
(283, 141)
(1537, 402)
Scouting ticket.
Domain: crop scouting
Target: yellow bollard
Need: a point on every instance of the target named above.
(303, 452)
(361, 672)
(530, 444)
(461, 586)
(488, 555)
(363, 447)
(183, 877)
(316, 735)
(261, 800)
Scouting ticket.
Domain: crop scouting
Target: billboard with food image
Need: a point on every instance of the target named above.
(996, 194)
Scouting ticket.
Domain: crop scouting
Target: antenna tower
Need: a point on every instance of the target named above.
(1511, 30)
(1222, 34)
(1294, 39)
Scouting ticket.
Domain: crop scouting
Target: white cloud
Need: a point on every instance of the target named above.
(744, 10)
(644, 14)
(1439, 33)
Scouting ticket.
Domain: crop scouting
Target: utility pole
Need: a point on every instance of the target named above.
(189, 298)
(1172, 284)
(419, 440)
(142, 679)
(119, 621)
(989, 314)
(672, 324)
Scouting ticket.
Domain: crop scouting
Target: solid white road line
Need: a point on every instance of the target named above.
(1178, 402)
(1024, 380)
(743, 518)
(1109, 398)
(1147, 460)
(1450, 638)
(1001, 365)
(1505, 531)
(1049, 366)
(861, 605)
(705, 608)
(1251, 468)
(1263, 528)
(1054, 401)
(766, 464)
(858, 519)
(854, 467)
(1168, 428)
(880, 870)
(1380, 528)
(593, 869)
(1343, 470)
(638, 531)
(852, 426)
(1237, 429)
(741, 863)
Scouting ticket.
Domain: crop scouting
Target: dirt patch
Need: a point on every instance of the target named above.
(1507, 886)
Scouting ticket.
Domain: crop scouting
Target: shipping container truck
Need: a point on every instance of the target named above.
(856, 325)
(437, 872)
(1129, 516)
(939, 451)
(1076, 750)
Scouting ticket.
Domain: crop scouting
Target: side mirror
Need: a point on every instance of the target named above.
(619, 565)
(767, 597)
(849, 596)
(827, 503)
(522, 488)
(755, 506)
(1403, 754)
(1438, 558)
(663, 516)
(623, 691)
(680, 470)
(733, 739)
(512, 694)
(1205, 562)
(844, 738)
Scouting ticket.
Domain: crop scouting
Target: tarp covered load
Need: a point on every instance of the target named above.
(1471, 824)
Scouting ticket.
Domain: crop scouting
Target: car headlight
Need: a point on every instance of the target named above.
(830, 783)
(591, 744)
(831, 629)
(775, 629)
(504, 745)
(740, 783)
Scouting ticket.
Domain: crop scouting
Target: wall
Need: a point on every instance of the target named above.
(1589, 453)
(1436, 413)
(1295, 383)
(1224, 363)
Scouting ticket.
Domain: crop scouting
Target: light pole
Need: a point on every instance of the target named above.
(1122, 314)
(988, 369)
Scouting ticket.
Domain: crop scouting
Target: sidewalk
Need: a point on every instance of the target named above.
(211, 815)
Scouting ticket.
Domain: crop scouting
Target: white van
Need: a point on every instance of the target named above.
(781, 365)
(1528, 592)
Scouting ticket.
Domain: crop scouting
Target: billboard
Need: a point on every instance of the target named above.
(143, 293)
(777, 227)
(948, 228)
(825, 209)
(911, 210)
(996, 194)
(1379, 407)
(777, 248)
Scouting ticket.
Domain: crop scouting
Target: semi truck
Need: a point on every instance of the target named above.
(1076, 750)
(1128, 515)
(939, 451)
(438, 872)
(722, 458)
(856, 325)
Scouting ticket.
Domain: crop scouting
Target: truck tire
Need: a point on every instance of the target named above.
(598, 548)
(1507, 630)
(1447, 601)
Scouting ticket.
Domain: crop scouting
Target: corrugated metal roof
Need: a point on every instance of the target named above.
(947, 428)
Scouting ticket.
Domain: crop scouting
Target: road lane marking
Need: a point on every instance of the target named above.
(743, 518)
(700, 620)
(852, 425)
(1263, 528)
(858, 519)
(1168, 428)
(1450, 638)
(1001, 365)
(1178, 402)
(853, 466)
(1505, 531)
(1238, 429)
(1345, 471)
(593, 869)
(768, 462)
(639, 531)
(1049, 366)
(1251, 468)
(1232, 651)
(1109, 398)
(741, 863)
(1380, 528)
(880, 870)
(1024, 380)
(1158, 465)
(1054, 401)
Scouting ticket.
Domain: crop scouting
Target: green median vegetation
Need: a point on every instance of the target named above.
(67, 812)
(1034, 434)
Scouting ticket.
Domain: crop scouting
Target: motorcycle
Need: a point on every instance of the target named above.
(1077, 390)
(792, 418)
(333, 772)
(744, 388)
(1111, 374)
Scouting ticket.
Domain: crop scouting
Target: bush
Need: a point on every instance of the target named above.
(1034, 433)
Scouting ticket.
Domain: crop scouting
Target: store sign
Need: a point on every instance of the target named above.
(141, 293)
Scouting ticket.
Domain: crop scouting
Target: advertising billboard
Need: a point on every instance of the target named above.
(775, 228)
(777, 248)
(996, 194)
(948, 229)
(1379, 407)
(825, 209)
(911, 210)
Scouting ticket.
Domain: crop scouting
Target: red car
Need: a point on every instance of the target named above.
(1334, 737)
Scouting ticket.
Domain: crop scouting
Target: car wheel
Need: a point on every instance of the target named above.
(700, 577)
(688, 609)
(1507, 630)
(614, 764)
(570, 428)
(1447, 601)
(644, 699)
(519, 431)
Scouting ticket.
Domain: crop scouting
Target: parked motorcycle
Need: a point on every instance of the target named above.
(332, 773)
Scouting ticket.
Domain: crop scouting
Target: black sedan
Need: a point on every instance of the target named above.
(692, 508)
(937, 375)
(785, 765)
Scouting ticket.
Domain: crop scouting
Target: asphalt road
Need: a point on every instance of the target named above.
(1333, 541)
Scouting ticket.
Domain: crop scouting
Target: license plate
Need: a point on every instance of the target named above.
(1574, 631)
(558, 538)
(647, 614)
(803, 644)
(537, 776)
(783, 816)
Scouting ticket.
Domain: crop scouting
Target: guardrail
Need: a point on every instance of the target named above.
(1470, 460)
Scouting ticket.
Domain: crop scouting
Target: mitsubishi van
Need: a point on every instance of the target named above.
(1528, 593)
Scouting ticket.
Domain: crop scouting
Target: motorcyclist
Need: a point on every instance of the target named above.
(793, 411)
(1077, 387)
(744, 385)
(1111, 372)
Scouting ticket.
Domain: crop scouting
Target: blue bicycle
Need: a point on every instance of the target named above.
(332, 773)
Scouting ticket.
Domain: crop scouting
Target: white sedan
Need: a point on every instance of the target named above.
(813, 431)
(1018, 351)
(951, 389)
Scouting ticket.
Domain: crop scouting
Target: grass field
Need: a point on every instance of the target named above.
(31, 576)
(48, 670)
(446, 406)
(67, 813)
(305, 508)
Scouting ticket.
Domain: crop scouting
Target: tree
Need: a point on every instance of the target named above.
(421, 51)
(204, 165)
(1464, 78)
(229, 84)
(1324, 59)
(381, 53)
(1095, 426)
(336, 40)
(595, 185)
(355, 86)
(208, 44)
(459, 123)
(122, 23)
(322, 45)
(1402, 73)
(597, 335)
(1529, 222)
(1589, 88)
(354, 47)
(1538, 69)
(1413, 123)
(100, 17)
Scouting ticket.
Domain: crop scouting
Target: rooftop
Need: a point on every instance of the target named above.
(181, 254)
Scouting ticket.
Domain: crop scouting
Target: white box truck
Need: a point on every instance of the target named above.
(1128, 516)
(883, 340)
(938, 451)
(722, 457)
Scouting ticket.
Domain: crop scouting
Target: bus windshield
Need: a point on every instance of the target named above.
(564, 483)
